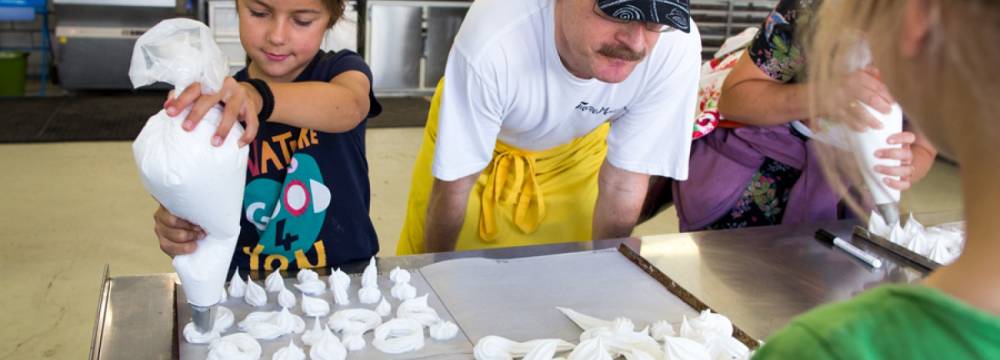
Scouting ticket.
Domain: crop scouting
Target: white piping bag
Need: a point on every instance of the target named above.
(194, 180)
(864, 144)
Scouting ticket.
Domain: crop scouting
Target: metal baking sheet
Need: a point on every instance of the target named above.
(517, 298)
(513, 298)
(458, 348)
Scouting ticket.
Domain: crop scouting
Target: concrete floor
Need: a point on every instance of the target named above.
(67, 209)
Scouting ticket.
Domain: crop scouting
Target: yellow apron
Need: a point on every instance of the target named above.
(521, 198)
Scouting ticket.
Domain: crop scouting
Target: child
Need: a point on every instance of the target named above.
(938, 58)
(306, 200)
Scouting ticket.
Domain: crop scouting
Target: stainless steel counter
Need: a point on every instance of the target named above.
(759, 277)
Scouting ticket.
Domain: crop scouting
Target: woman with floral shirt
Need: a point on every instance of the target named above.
(763, 171)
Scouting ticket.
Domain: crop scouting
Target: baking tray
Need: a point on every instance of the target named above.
(513, 298)
(517, 298)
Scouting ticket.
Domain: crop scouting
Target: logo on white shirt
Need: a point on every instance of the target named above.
(584, 106)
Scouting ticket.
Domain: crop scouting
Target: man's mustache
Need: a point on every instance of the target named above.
(621, 52)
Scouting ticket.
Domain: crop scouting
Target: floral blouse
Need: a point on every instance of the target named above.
(776, 50)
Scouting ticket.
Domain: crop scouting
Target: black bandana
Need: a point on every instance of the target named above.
(673, 13)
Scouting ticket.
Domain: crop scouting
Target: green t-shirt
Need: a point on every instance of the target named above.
(889, 322)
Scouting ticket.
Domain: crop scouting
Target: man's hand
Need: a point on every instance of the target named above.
(177, 236)
(446, 213)
(619, 201)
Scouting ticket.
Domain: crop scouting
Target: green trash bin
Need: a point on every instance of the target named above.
(13, 69)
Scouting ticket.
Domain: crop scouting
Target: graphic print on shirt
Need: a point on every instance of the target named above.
(587, 107)
(288, 216)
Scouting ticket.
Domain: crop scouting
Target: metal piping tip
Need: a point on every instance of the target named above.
(890, 212)
(203, 318)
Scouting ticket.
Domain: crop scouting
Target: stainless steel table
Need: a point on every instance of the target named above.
(759, 277)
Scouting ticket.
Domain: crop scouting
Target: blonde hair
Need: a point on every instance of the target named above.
(950, 91)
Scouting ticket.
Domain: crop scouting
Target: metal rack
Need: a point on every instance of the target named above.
(720, 19)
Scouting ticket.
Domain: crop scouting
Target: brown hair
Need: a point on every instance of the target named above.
(949, 91)
(335, 7)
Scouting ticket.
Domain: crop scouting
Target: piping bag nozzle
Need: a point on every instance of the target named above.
(203, 317)
(890, 212)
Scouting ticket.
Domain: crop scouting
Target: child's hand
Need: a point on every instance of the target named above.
(241, 102)
(904, 154)
(177, 236)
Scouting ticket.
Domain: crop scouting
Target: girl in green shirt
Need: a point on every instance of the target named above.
(939, 58)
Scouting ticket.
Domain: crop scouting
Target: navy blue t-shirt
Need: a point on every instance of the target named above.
(307, 193)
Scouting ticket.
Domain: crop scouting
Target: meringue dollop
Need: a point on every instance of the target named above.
(418, 310)
(354, 342)
(682, 348)
(398, 275)
(311, 287)
(545, 350)
(270, 325)
(339, 283)
(403, 291)
(328, 347)
(593, 349)
(369, 295)
(443, 330)
(237, 346)
(225, 295)
(494, 347)
(727, 348)
(255, 295)
(309, 282)
(585, 322)
(707, 326)
(305, 275)
(398, 336)
(290, 352)
(313, 307)
(383, 309)
(661, 329)
(369, 278)
(274, 282)
(286, 299)
(237, 287)
(223, 320)
(312, 336)
(354, 321)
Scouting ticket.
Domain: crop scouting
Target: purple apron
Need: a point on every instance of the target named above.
(723, 163)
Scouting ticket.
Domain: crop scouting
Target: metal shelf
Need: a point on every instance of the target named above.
(719, 19)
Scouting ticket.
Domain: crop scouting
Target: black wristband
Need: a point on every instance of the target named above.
(267, 99)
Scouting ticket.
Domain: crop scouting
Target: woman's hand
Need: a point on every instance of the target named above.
(904, 153)
(240, 100)
(862, 87)
(177, 236)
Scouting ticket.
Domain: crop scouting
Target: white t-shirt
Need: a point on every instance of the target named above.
(504, 80)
